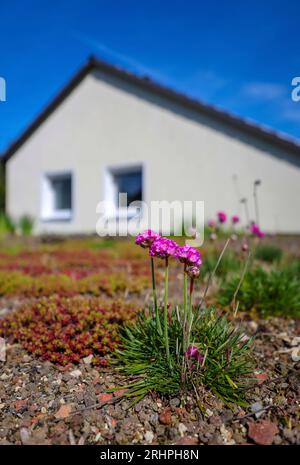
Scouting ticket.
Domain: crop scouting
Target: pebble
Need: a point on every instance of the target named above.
(175, 402)
(2, 350)
(88, 360)
(149, 436)
(76, 373)
(257, 409)
(182, 429)
(165, 417)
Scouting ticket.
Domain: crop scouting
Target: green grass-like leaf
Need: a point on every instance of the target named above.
(268, 253)
(270, 293)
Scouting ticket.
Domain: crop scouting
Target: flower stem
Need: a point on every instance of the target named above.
(158, 324)
(166, 333)
(184, 309)
(190, 312)
(184, 290)
(191, 290)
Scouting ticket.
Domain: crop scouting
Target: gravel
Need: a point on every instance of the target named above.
(43, 404)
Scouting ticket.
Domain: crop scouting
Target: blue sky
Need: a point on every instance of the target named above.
(237, 55)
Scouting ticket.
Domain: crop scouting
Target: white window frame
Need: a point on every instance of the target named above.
(48, 212)
(112, 208)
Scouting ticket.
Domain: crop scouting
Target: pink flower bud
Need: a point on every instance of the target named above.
(222, 217)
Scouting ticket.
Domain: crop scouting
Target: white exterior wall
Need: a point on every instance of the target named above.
(186, 156)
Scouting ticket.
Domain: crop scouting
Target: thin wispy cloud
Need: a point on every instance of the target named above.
(276, 96)
(204, 84)
(111, 54)
(264, 90)
(291, 112)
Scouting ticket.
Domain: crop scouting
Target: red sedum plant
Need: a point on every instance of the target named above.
(65, 330)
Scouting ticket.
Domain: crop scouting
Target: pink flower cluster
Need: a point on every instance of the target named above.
(222, 218)
(256, 231)
(162, 247)
(188, 255)
(146, 238)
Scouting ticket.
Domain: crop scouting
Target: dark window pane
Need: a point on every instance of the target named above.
(130, 183)
(62, 193)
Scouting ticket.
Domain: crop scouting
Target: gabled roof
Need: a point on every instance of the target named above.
(93, 63)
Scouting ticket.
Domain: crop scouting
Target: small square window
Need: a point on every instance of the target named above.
(62, 193)
(57, 197)
(125, 180)
(130, 183)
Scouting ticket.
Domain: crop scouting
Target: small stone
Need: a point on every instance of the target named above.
(2, 350)
(215, 420)
(76, 373)
(257, 408)
(288, 434)
(25, 436)
(296, 354)
(149, 436)
(72, 438)
(98, 437)
(277, 439)
(226, 435)
(261, 377)
(227, 416)
(105, 397)
(253, 325)
(182, 429)
(187, 441)
(295, 341)
(20, 405)
(175, 402)
(138, 407)
(262, 432)
(165, 416)
(88, 360)
(63, 412)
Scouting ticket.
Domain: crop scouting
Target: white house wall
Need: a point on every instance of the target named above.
(186, 156)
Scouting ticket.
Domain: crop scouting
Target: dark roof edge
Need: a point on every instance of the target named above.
(43, 115)
(252, 129)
